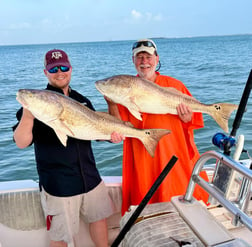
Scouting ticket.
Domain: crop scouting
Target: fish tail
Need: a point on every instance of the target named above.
(222, 114)
(151, 138)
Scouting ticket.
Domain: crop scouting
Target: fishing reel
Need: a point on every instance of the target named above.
(223, 142)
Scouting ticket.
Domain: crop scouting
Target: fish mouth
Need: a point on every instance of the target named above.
(20, 99)
(97, 85)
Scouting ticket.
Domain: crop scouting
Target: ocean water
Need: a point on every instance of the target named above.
(215, 69)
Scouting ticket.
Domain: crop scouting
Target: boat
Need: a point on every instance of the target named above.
(227, 221)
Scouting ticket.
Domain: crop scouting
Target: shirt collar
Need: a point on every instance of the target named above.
(59, 90)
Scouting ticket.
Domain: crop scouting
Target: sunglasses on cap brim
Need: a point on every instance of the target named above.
(144, 43)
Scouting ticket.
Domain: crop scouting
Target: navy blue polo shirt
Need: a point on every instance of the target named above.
(63, 171)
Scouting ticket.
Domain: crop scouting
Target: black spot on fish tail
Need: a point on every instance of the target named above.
(152, 137)
(222, 113)
(147, 132)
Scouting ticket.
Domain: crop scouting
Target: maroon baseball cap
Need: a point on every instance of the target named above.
(55, 58)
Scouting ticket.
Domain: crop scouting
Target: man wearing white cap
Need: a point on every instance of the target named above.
(139, 169)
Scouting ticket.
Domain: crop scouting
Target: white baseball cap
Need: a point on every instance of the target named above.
(144, 45)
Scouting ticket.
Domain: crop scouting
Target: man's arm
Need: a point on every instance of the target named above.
(23, 133)
(112, 108)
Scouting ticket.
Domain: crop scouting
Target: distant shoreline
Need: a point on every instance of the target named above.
(154, 38)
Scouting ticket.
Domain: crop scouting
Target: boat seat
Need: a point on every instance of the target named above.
(22, 214)
(21, 210)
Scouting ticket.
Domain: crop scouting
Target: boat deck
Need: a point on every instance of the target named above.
(22, 221)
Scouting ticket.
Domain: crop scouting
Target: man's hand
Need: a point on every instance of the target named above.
(23, 133)
(184, 112)
(27, 114)
(116, 137)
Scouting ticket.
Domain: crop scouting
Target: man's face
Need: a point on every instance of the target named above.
(145, 64)
(59, 79)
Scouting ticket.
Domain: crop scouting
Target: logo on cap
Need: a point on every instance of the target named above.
(56, 55)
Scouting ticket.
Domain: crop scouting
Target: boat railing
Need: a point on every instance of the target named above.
(216, 190)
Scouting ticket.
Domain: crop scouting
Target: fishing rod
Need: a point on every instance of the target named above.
(226, 142)
(144, 202)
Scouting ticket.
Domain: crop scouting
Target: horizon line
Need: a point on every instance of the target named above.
(183, 37)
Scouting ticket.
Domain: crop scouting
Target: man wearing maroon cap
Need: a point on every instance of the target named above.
(69, 181)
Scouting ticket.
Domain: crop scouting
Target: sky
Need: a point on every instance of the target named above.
(61, 21)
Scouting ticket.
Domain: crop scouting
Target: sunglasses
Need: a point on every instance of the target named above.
(144, 43)
(56, 69)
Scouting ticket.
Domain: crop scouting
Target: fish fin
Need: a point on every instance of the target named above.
(136, 114)
(133, 108)
(152, 137)
(62, 137)
(221, 114)
(66, 129)
(61, 130)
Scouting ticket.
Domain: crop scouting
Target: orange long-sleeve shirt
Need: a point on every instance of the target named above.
(140, 170)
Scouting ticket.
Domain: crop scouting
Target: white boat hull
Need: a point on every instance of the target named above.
(22, 223)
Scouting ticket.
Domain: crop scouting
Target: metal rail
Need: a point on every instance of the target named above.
(236, 208)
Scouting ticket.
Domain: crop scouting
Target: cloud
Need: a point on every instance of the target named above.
(135, 14)
(146, 16)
